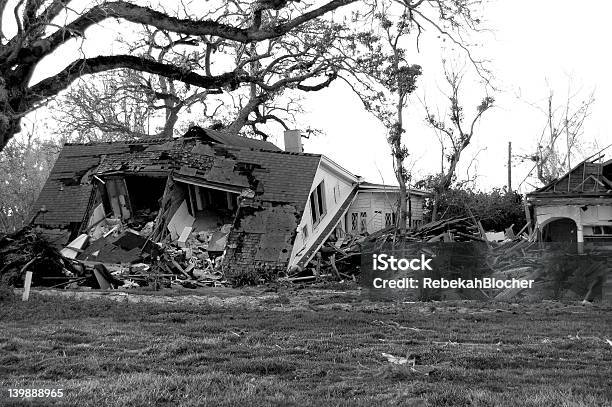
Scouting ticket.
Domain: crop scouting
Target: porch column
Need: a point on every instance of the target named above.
(579, 233)
(580, 239)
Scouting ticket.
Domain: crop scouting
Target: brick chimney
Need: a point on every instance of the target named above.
(293, 141)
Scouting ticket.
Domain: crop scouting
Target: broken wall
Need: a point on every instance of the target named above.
(171, 200)
(260, 243)
(336, 188)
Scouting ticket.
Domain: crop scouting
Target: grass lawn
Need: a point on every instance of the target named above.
(105, 353)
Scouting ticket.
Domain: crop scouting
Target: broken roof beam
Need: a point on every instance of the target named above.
(597, 182)
(201, 182)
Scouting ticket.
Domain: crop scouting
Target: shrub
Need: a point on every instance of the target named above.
(497, 209)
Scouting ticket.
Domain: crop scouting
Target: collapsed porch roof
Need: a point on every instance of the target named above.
(592, 178)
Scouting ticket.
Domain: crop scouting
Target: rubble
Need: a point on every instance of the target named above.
(25, 251)
(114, 255)
(558, 272)
(340, 257)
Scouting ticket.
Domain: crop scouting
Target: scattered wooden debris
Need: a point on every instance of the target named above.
(25, 251)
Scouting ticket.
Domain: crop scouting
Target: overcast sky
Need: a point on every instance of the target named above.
(533, 44)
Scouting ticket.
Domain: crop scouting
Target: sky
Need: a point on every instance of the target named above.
(532, 46)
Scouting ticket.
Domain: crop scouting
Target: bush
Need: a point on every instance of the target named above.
(250, 276)
(496, 210)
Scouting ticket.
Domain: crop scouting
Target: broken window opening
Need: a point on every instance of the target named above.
(145, 192)
(211, 208)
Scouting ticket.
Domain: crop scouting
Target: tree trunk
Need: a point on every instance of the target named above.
(434, 211)
(171, 119)
(9, 126)
(403, 207)
(399, 163)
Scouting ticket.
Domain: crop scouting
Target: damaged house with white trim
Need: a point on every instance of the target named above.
(262, 208)
(576, 207)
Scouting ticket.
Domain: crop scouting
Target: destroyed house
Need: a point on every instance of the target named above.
(264, 208)
(576, 207)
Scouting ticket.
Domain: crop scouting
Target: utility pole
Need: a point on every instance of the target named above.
(509, 166)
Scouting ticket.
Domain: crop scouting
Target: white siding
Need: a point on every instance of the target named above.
(376, 205)
(589, 215)
(333, 201)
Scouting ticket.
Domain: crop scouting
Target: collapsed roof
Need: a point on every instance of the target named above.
(273, 185)
(590, 178)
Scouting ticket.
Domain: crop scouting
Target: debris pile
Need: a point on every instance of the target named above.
(27, 250)
(117, 254)
(558, 272)
(190, 259)
(114, 254)
(340, 257)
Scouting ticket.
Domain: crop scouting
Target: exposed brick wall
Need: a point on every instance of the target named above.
(261, 241)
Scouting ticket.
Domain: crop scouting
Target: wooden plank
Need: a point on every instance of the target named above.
(182, 240)
(190, 200)
(179, 268)
(101, 280)
(26, 286)
(72, 280)
(599, 174)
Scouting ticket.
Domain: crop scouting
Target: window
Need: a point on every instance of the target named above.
(354, 221)
(305, 233)
(317, 203)
(602, 230)
(389, 219)
(364, 221)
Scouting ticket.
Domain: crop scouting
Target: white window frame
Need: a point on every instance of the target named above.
(354, 221)
(363, 221)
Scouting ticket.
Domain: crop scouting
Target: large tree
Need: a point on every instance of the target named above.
(136, 104)
(40, 32)
(562, 138)
(383, 78)
(455, 130)
(44, 26)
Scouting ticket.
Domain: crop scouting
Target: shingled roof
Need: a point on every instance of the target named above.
(278, 176)
(223, 137)
(67, 192)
